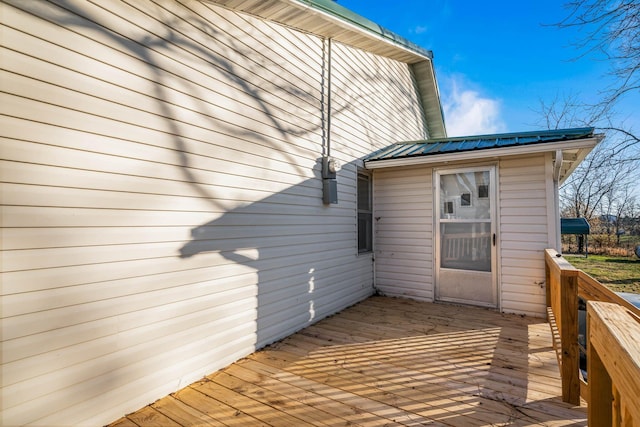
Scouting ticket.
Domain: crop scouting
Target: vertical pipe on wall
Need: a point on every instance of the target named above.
(328, 97)
(325, 97)
(329, 166)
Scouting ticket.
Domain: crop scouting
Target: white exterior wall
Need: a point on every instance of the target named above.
(403, 202)
(525, 232)
(403, 221)
(162, 206)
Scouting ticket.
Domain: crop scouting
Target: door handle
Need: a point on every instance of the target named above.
(494, 239)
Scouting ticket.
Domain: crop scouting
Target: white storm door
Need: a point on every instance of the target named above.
(465, 255)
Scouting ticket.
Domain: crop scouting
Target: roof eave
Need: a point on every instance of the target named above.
(332, 20)
(584, 146)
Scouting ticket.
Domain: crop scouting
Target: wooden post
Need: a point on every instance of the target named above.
(613, 365)
(547, 280)
(600, 387)
(569, 336)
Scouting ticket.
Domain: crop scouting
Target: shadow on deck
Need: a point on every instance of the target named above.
(384, 362)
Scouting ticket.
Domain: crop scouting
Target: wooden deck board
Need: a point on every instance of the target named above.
(385, 362)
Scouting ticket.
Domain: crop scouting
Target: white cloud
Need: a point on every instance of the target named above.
(420, 29)
(467, 112)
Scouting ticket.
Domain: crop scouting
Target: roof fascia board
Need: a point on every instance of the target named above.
(427, 85)
(587, 143)
(344, 17)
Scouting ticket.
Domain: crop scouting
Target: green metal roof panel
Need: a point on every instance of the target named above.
(432, 147)
(574, 226)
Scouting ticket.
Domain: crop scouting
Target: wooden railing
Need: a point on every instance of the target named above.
(565, 285)
(613, 365)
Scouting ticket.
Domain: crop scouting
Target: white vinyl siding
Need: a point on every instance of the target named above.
(403, 218)
(523, 234)
(403, 224)
(162, 207)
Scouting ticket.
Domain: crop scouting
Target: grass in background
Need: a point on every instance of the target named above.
(620, 274)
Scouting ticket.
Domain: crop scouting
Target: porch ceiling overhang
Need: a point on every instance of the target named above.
(569, 148)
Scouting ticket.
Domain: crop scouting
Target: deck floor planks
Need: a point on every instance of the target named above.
(374, 376)
(182, 413)
(221, 412)
(385, 361)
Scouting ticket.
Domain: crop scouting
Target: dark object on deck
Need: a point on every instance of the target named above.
(579, 227)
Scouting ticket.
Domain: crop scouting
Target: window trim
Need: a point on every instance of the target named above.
(368, 246)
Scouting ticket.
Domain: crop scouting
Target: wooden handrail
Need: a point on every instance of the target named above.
(590, 289)
(564, 285)
(613, 364)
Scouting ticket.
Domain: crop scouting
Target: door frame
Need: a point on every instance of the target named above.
(495, 248)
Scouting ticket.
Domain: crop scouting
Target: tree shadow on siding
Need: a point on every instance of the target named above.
(179, 59)
(302, 253)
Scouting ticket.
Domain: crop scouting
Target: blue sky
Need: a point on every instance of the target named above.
(495, 60)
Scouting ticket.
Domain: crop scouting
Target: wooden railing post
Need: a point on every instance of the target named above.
(600, 394)
(569, 336)
(613, 359)
(547, 280)
(562, 297)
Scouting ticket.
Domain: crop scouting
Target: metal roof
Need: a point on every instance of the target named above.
(433, 147)
(574, 226)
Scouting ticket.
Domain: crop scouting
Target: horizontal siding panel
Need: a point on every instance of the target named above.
(539, 211)
(528, 260)
(511, 228)
(394, 236)
(21, 109)
(184, 55)
(201, 179)
(516, 194)
(524, 220)
(524, 234)
(523, 240)
(166, 363)
(404, 247)
(527, 308)
(406, 292)
(407, 228)
(523, 203)
(36, 216)
(27, 281)
(81, 237)
(58, 176)
(526, 288)
(162, 212)
(384, 256)
(220, 242)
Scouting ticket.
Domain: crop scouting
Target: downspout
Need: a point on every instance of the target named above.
(557, 169)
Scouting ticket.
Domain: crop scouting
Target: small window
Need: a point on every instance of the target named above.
(483, 191)
(465, 199)
(365, 213)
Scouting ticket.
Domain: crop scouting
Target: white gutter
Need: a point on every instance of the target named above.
(557, 166)
(347, 25)
(488, 153)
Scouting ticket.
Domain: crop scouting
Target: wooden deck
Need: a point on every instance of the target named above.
(385, 362)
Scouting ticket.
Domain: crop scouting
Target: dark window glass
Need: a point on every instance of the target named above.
(365, 213)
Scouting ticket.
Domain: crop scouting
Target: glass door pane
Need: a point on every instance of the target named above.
(466, 246)
(465, 250)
